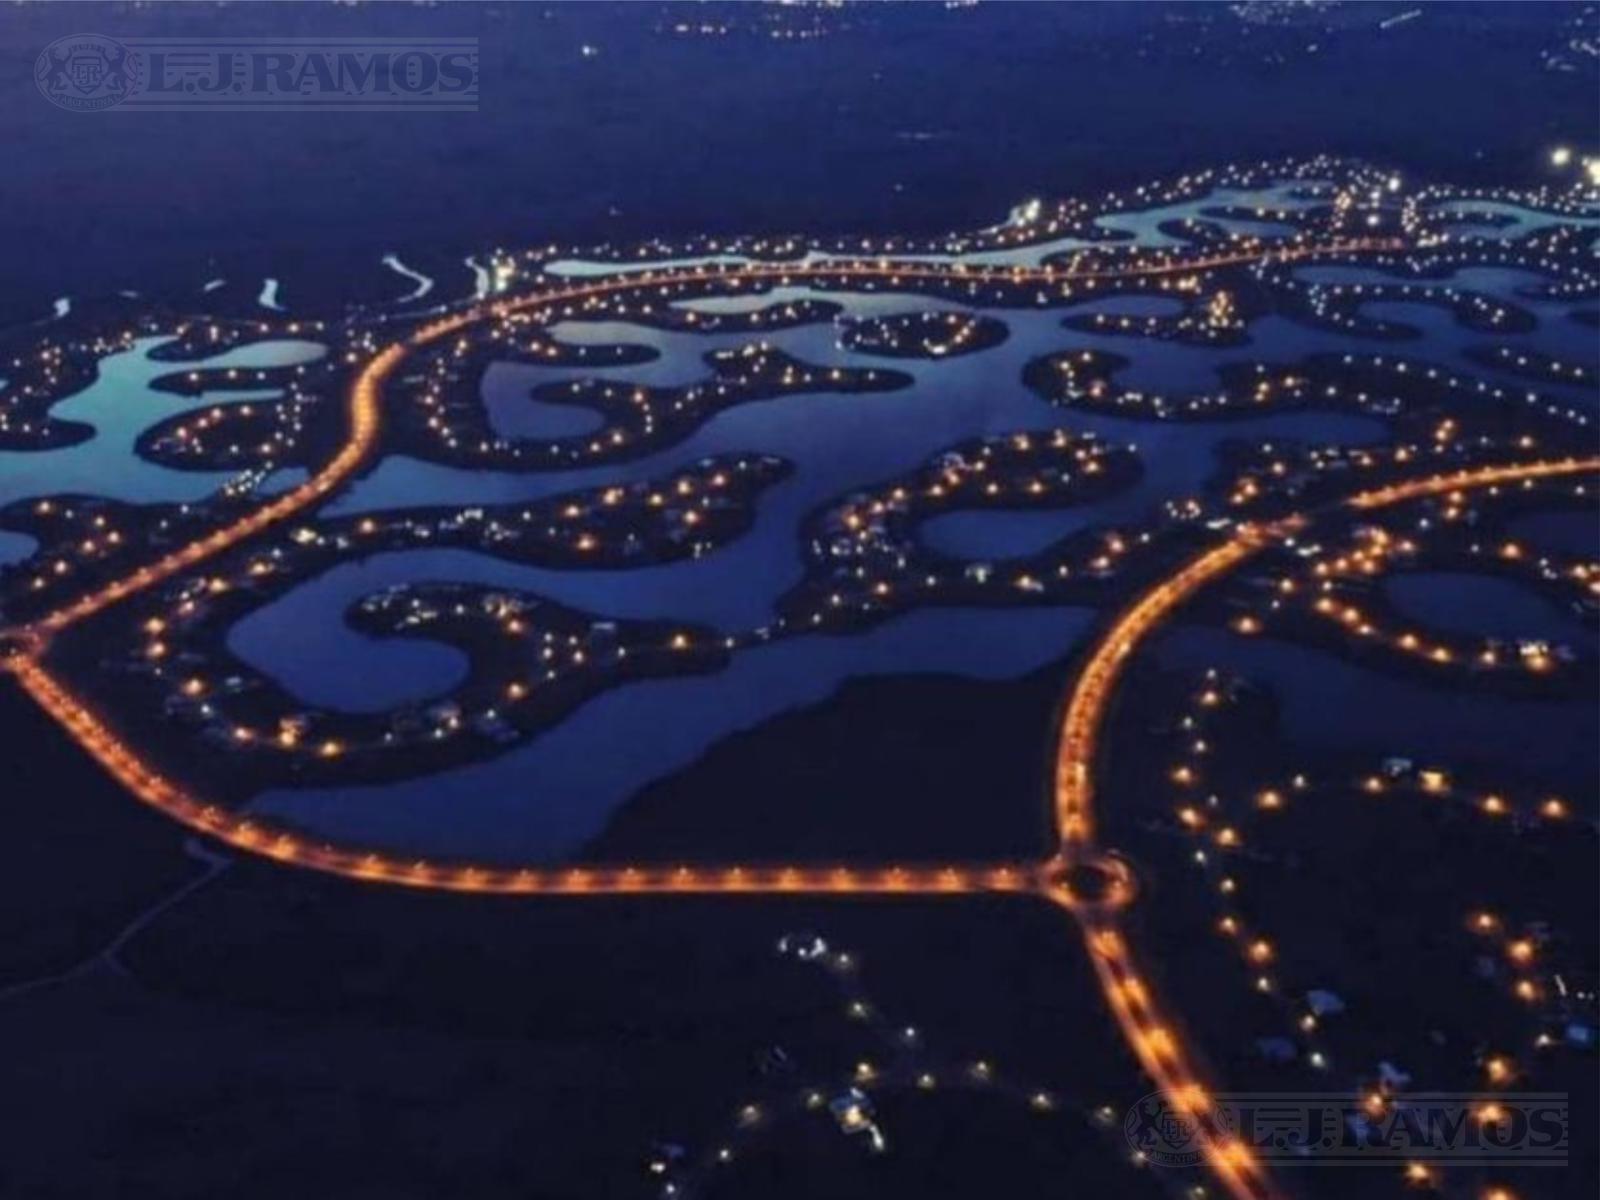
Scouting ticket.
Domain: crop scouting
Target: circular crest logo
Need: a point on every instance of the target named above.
(1163, 1133)
(85, 72)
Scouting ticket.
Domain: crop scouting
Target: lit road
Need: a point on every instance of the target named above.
(1466, 480)
(1098, 679)
(1148, 1033)
(1081, 877)
(365, 395)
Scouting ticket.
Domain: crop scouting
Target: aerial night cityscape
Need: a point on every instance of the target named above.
(846, 600)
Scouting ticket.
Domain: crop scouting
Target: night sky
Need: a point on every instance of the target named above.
(904, 118)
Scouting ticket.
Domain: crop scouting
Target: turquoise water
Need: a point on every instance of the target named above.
(547, 797)
(120, 405)
(1526, 220)
(1142, 224)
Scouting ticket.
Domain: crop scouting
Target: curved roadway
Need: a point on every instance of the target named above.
(1149, 1034)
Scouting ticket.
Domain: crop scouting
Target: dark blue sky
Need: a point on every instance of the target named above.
(905, 118)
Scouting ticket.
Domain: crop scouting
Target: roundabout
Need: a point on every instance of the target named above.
(1090, 882)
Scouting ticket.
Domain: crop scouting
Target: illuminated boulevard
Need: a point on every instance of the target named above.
(366, 391)
(1081, 877)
